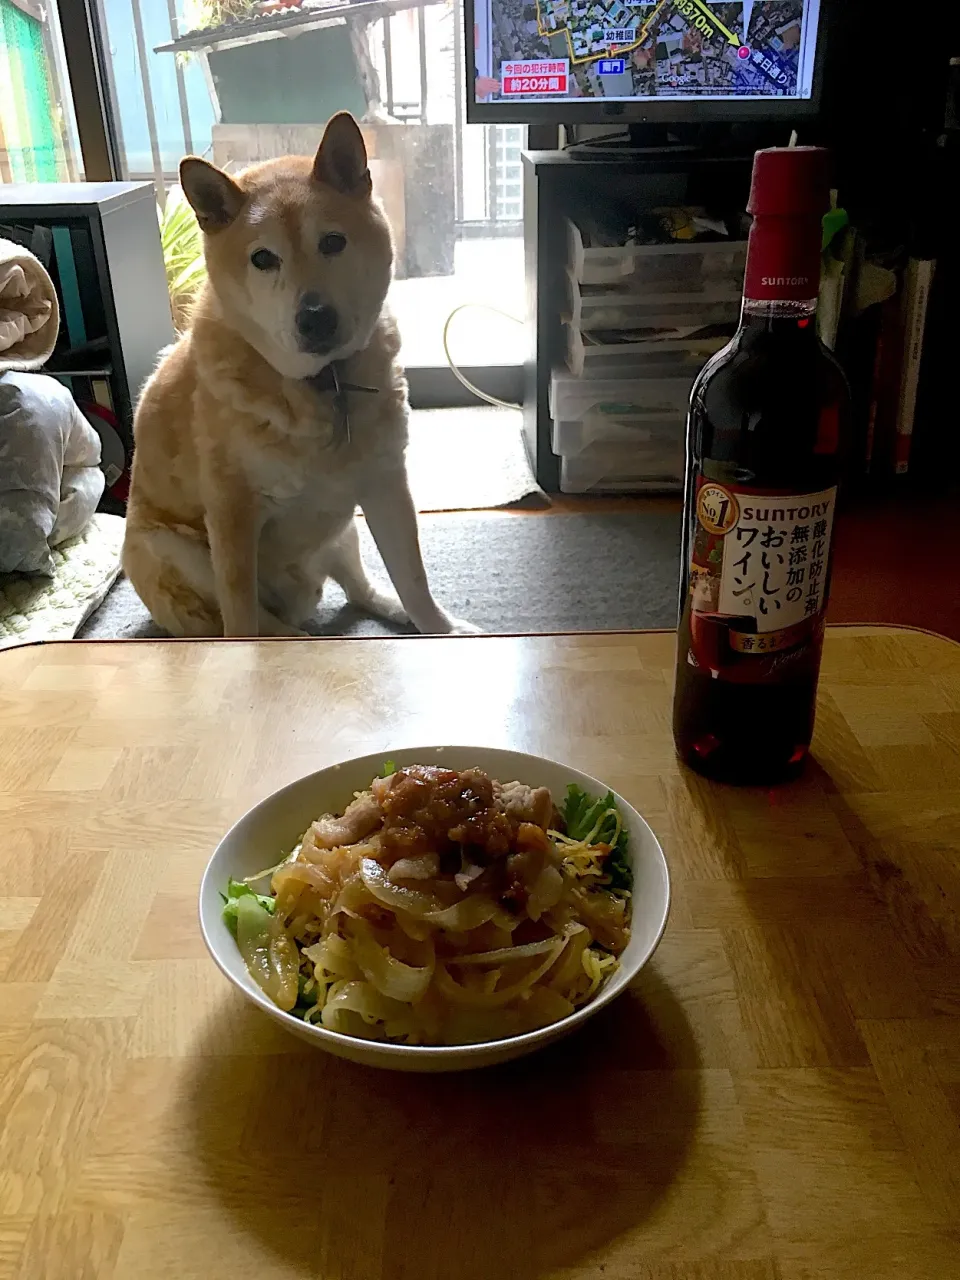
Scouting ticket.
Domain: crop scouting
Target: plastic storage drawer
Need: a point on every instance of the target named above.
(573, 398)
(591, 308)
(658, 437)
(679, 266)
(652, 359)
(606, 470)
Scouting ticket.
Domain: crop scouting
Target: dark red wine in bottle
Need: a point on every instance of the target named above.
(766, 439)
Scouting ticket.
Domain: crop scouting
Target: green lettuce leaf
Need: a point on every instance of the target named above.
(236, 889)
(583, 816)
(305, 999)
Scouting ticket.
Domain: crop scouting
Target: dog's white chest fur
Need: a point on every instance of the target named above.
(311, 452)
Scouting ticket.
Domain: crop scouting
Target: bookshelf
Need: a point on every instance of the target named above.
(100, 242)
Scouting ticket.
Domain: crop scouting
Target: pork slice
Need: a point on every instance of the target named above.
(361, 816)
(526, 804)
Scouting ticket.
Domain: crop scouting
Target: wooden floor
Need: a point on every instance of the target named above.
(896, 562)
(895, 558)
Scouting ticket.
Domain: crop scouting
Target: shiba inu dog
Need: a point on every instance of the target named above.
(280, 410)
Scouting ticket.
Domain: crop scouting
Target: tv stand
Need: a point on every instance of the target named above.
(703, 138)
(642, 138)
(558, 185)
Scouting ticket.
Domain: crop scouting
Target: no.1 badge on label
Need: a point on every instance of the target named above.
(717, 509)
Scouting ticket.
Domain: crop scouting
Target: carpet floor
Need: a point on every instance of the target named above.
(505, 573)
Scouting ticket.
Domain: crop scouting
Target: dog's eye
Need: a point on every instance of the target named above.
(332, 243)
(264, 260)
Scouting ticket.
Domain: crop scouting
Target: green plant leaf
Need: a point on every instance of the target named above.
(190, 277)
(182, 243)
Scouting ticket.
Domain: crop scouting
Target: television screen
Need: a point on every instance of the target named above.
(652, 57)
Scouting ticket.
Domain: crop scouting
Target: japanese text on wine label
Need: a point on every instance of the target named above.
(775, 559)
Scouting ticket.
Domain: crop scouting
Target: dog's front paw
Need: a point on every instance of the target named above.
(276, 629)
(439, 623)
(459, 627)
(385, 605)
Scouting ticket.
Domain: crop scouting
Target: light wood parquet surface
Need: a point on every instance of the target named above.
(777, 1099)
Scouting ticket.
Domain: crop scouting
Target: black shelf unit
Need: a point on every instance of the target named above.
(107, 267)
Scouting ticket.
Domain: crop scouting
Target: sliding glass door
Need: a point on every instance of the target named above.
(38, 135)
(239, 82)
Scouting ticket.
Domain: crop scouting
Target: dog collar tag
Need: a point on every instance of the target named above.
(341, 410)
(328, 379)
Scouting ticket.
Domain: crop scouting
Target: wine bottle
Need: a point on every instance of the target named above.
(767, 434)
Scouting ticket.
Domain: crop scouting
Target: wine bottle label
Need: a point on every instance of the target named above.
(759, 572)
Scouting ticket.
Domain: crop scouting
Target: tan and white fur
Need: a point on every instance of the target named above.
(243, 492)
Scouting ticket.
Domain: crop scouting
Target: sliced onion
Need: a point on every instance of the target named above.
(546, 892)
(333, 955)
(464, 1025)
(268, 951)
(570, 968)
(424, 867)
(397, 896)
(337, 1016)
(391, 977)
(371, 1005)
(366, 848)
(461, 995)
(351, 898)
(304, 873)
(416, 930)
(269, 871)
(544, 1007)
(470, 913)
(605, 915)
(503, 955)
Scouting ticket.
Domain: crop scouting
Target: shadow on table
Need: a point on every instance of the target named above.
(912, 877)
(513, 1171)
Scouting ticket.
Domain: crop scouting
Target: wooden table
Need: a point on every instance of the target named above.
(777, 1099)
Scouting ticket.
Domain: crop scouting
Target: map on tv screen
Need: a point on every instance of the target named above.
(539, 50)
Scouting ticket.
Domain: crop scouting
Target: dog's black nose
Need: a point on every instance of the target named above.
(316, 321)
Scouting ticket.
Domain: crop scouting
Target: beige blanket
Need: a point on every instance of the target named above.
(29, 315)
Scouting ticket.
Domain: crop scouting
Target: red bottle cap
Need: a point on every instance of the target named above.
(790, 181)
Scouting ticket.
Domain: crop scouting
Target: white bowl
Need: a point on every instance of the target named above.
(278, 822)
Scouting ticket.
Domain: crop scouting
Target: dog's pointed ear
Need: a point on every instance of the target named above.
(215, 197)
(341, 160)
